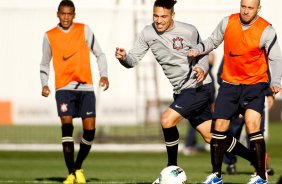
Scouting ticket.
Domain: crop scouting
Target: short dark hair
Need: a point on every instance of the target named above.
(168, 4)
(66, 3)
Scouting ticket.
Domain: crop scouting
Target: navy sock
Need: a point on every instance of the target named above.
(257, 146)
(68, 146)
(171, 136)
(236, 148)
(218, 148)
(85, 146)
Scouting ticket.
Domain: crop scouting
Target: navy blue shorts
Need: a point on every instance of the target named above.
(76, 103)
(194, 104)
(233, 100)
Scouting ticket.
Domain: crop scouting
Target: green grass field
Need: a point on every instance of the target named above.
(110, 167)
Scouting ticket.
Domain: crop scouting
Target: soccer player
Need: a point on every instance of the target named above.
(236, 125)
(191, 147)
(252, 63)
(235, 129)
(169, 42)
(69, 45)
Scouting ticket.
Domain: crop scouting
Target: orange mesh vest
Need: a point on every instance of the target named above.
(71, 55)
(244, 61)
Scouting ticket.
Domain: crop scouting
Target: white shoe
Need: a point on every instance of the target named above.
(255, 174)
(213, 179)
(257, 180)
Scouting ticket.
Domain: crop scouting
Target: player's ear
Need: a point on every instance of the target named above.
(259, 8)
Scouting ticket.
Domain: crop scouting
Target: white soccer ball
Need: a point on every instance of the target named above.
(173, 175)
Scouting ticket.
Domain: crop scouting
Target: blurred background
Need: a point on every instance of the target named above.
(131, 107)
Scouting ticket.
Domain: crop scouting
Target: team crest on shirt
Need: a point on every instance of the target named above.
(64, 107)
(177, 43)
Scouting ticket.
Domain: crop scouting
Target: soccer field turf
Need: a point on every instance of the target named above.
(127, 167)
(48, 167)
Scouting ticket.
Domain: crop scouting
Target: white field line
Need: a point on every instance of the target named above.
(95, 147)
(27, 181)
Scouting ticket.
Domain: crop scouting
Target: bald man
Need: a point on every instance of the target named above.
(252, 63)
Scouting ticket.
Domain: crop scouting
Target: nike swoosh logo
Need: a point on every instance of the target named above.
(68, 57)
(88, 113)
(216, 182)
(178, 107)
(234, 55)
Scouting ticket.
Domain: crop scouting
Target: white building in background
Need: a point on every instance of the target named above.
(114, 23)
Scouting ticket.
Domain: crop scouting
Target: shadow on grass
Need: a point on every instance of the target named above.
(61, 179)
(238, 173)
(139, 183)
(224, 183)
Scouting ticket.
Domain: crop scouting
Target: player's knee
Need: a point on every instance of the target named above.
(207, 137)
(205, 130)
(166, 122)
(253, 122)
(221, 125)
(252, 127)
(89, 123)
(66, 119)
(88, 136)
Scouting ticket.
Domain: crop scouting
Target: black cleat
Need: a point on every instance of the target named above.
(270, 171)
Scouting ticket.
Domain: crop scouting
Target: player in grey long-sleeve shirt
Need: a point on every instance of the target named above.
(169, 42)
(170, 50)
(252, 64)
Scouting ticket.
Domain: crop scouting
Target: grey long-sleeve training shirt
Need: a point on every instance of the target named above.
(170, 49)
